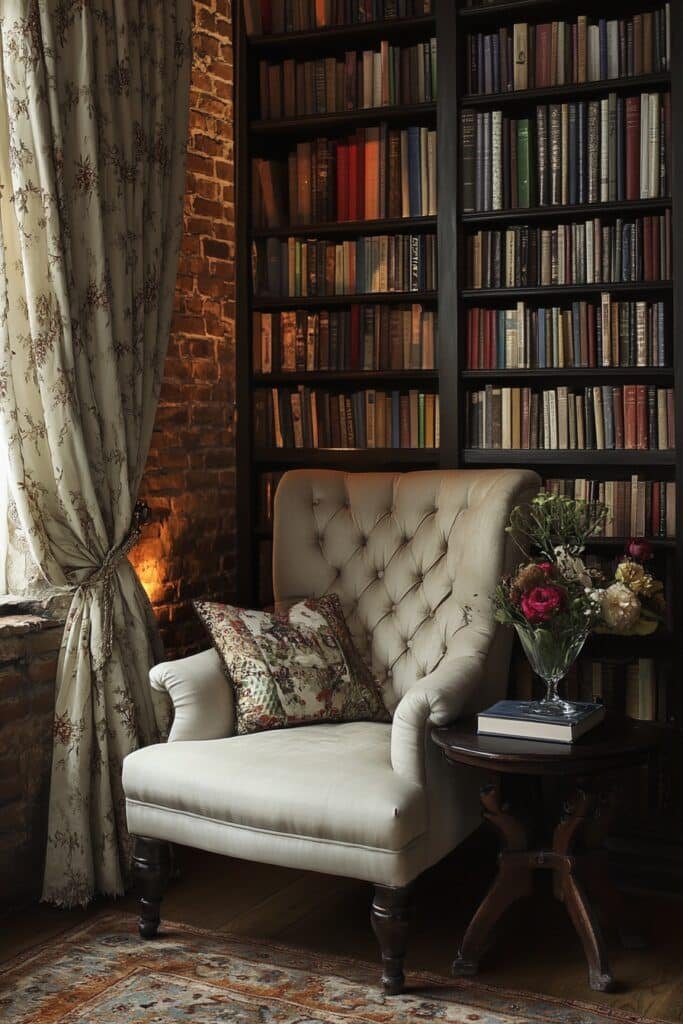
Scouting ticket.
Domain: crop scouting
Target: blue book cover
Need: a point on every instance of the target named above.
(521, 711)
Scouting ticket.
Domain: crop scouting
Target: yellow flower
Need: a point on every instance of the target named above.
(620, 607)
(631, 574)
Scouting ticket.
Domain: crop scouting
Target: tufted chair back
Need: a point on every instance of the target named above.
(414, 558)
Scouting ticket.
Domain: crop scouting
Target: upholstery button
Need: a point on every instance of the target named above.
(409, 644)
(394, 608)
(315, 502)
(363, 541)
(380, 574)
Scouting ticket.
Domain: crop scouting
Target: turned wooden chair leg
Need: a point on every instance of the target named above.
(390, 916)
(151, 870)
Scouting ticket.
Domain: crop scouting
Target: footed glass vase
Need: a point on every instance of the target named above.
(551, 657)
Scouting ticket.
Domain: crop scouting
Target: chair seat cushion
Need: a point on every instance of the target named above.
(331, 782)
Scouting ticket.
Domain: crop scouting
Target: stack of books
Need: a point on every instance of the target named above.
(637, 507)
(589, 252)
(378, 172)
(595, 151)
(361, 338)
(582, 334)
(308, 418)
(357, 81)
(528, 56)
(265, 16)
(519, 720)
(633, 417)
(295, 267)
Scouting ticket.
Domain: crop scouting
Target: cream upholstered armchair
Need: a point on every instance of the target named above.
(414, 558)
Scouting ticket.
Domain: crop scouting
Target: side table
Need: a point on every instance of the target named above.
(573, 850)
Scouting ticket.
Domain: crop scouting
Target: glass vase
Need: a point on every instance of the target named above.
(551, 657)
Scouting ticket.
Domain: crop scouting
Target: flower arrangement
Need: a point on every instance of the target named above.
(557, 591)
(554, 600)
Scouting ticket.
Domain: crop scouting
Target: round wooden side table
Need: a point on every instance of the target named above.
(573, 850)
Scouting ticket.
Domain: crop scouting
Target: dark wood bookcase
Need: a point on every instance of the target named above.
(450, 22)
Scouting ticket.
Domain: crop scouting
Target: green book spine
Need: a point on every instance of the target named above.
(523, 164)
(421, 420)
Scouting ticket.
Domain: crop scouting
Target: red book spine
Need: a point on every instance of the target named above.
(360, 199)
(633, 147)
(266, 17)
(641, 416)
(354, 352)
(353, 178)
(343, 182)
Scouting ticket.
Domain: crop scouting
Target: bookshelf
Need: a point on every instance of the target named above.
(451, 22)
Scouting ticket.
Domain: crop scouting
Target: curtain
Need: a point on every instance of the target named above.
(95, 99)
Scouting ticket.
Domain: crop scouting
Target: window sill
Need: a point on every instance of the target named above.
(22, 615)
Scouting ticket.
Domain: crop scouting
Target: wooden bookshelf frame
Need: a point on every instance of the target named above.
(451, 22)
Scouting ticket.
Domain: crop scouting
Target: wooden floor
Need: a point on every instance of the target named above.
(535, 949)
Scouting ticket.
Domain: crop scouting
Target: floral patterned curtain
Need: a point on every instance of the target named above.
(94, 96)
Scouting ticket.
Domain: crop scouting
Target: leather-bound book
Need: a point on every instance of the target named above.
(641, 417)
(633, 147)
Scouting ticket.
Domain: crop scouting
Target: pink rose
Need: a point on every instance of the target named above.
(541, 603)
(546, 567)
(639, 550)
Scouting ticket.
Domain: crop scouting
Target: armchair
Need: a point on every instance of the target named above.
(414, 558)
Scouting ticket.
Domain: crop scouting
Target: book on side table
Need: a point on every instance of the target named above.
(516, 719)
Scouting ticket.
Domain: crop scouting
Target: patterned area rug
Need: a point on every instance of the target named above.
(101, 973)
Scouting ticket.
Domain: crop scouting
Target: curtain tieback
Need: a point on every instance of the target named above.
(105, 575)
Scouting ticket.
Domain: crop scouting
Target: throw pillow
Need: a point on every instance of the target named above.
(294, 668)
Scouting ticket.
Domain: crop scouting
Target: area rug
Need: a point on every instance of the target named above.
(102, 973)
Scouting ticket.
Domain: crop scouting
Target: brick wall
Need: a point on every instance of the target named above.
(189, 548)
(28, 663)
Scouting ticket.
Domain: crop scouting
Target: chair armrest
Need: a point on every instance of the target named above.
(438, 699)
(201, 695)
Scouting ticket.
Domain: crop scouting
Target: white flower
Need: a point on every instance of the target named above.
(571, 568)
(620, 607)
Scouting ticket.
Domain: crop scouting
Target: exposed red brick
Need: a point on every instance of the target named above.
(189, 479)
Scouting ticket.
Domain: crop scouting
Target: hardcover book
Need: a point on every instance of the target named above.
(517, 719)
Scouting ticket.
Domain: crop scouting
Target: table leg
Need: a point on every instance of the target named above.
(513, 881)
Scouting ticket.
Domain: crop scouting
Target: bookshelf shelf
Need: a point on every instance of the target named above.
(625, 207)
(554, 93)
(575, 373)
(568, 290)
(333, 377)
(347, 458)
(350, 228)
(346, 121)
(343, 36)
(554, 457)
(323, 301)
(259, 466)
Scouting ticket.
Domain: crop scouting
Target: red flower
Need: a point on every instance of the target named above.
(541, 603)
(639, 550)
(547, 567)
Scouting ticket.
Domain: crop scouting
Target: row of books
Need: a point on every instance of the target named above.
(358, 81)
(588, 252)
(637, 507)
(596, 151)
(364, 337)
(629, 687)
(263, 17)
(527, 56)
(584, 334)
(632, 417)
(307, 418)
(379, 263)
(378, 172)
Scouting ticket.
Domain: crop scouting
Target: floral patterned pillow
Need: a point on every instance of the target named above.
(293, 668)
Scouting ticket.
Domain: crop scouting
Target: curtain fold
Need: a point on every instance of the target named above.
(94, 97)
